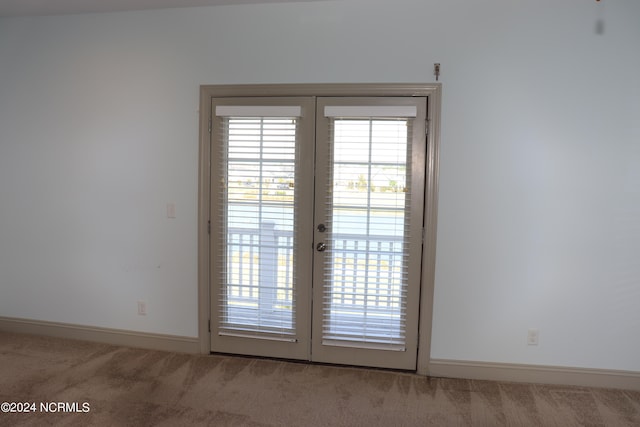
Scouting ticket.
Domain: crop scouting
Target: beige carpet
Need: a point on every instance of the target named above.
(131, 387)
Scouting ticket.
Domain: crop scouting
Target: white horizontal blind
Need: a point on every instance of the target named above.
(366, 267)
(370, 111)
(258, 110)
(257, 296)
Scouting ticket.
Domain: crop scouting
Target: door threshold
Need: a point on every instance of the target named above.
(312, 363)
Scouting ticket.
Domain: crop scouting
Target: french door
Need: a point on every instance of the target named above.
(316, 228)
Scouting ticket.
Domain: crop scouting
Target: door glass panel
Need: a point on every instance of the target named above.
(366, 267)
(259, 155)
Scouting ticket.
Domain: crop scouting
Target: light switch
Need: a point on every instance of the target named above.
(171, 210)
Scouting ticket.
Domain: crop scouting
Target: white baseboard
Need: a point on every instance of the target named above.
(629, 380)
(605, 378)
(102, 335)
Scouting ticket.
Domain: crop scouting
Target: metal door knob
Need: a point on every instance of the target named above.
(321, 247)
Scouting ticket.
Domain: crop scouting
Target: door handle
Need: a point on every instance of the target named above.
(321, 247)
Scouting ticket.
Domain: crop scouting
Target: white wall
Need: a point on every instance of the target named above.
(539, 216)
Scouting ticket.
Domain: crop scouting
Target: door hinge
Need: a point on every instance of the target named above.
(209, 325)
(209, 125)
(426, 127)
(423, 234)
(209, 226)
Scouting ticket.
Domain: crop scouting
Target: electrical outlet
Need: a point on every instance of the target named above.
(532, 337)
(142, 308)
(171, 210)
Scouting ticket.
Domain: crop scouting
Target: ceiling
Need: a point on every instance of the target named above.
(67, 7)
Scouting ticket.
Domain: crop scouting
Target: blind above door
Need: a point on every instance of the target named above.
(259, 155)
(366, 268)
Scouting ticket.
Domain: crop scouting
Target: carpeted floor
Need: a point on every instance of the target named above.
(105, 385)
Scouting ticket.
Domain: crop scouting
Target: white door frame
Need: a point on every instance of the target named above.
(431, 90)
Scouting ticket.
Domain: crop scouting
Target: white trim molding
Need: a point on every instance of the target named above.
(585, 377)
(119, 337)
